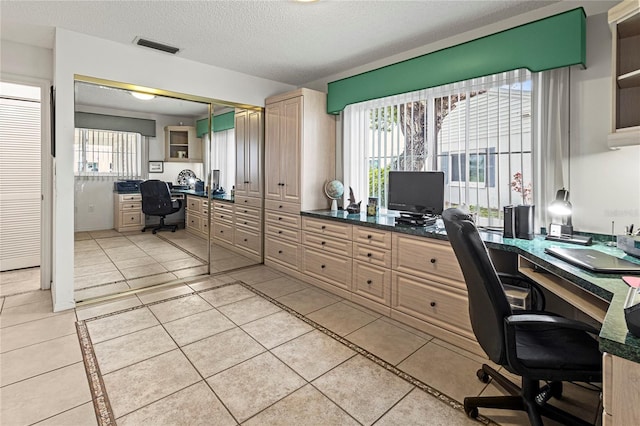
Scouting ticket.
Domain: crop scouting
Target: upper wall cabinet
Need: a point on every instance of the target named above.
(249, 133)
(181, 144)
(624, 21)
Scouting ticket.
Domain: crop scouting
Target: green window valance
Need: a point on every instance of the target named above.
(220, 122)
(553, 42)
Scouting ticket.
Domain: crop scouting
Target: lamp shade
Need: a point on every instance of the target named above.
(561, 205)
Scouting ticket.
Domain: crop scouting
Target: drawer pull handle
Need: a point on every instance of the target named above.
(279, 251)
(221, 231)
(279, 232)
(246, 201)
(433, 304)
(369, 281)
(323, 227)
(245, 223)
(433, 260)
(279, 207)
(323, 242)
(322, 266)
(369, 255)
(369, 237)
(279, 218)
(245, 240)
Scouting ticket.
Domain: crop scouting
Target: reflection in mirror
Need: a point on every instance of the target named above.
(120, 142)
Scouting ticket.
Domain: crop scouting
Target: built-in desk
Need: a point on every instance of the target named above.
(603, 294)
(599, 296)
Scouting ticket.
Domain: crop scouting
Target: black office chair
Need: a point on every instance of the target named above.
(534, 345)
(156, 201)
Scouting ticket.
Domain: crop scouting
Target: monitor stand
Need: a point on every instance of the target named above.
(415, 219)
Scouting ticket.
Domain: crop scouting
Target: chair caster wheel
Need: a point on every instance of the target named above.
(471, 412)
(482, 376)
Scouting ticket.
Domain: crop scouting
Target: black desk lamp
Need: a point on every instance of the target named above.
(563, 231)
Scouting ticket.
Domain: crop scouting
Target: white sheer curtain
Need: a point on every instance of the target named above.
(551, 139)
(223, 157)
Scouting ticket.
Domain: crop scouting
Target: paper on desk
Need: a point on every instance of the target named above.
(632, 281)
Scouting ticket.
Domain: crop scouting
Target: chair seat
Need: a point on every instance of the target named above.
(558, 349)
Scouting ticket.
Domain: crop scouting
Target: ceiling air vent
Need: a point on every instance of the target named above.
(157, 46)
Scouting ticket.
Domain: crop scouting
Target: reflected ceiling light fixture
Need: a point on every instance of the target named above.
(142, 96)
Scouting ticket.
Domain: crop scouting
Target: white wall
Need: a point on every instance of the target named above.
(85, 55)
(604, 185)
(24, 60)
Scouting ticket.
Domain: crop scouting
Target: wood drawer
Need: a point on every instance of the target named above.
(431, 301)
(222, 216)
(247, 240)
(131, 218)
(335, 270)
(279, 206)
(284, 252)
(372, 255)
(222, 206)
(223, 232)
(249, 212)
(248, 223)
(130, 197)
(372, 237)
(193, 221)
(372, 282)
(324, 243)
(194, 204)
(241, 201)
(282, 219)
(426, 258)
(131, 205)
(276, 231)
(326, 227)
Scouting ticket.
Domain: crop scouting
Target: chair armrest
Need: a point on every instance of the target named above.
(540, 321)
(519, 280)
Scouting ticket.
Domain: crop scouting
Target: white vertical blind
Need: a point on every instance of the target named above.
(478, 132)
(20, 187)
(101, 153)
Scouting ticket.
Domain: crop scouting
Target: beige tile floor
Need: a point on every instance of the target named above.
(215, 352)
(108, 262)
(19, 281)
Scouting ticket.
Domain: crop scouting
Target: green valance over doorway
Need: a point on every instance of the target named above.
(220, 122)
(553, 42)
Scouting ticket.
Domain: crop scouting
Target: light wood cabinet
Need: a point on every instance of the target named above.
(127, 212)
(624, 22)
(620, 391)
(181, 144)
(299, 159)
(249, 134)
(196, 217)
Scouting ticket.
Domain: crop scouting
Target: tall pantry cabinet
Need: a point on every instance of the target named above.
(299, 158)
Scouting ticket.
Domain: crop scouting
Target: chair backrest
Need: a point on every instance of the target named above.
(156, 198)
(488, 305)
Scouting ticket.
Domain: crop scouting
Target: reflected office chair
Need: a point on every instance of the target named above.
(538, 346)
(156, 201)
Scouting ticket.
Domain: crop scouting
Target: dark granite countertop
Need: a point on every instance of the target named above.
(614, 335)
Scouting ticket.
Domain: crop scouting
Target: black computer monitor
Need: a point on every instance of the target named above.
(416, 192)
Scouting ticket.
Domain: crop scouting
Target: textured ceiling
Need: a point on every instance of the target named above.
(284, 41)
